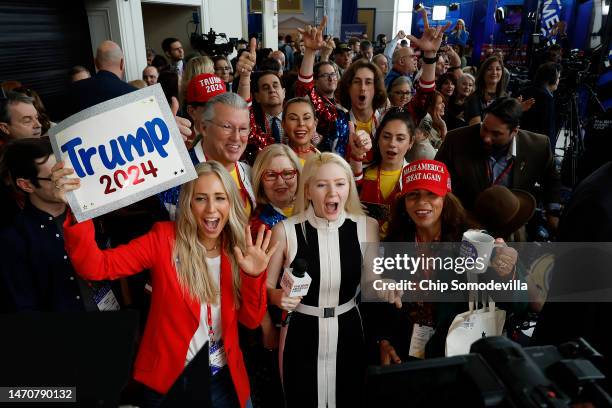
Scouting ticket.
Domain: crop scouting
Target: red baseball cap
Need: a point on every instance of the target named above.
(430, 175)
(203, 87)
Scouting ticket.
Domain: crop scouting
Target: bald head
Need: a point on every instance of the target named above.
(279, 56)
(109, 57)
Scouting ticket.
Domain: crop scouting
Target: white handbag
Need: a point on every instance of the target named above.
(467, 327)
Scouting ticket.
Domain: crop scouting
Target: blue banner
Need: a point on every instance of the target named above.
(352, 30)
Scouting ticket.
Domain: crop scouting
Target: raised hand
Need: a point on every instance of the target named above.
(62, 183)
(431, 38)
(328, 48)
(184, 125)
(361, 142)
(254, 260)
(313, 36)
(247, 60)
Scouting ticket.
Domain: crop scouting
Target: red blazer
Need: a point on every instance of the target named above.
(174, 317)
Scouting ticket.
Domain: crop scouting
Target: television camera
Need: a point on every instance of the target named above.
(496, 373)
(213, 43)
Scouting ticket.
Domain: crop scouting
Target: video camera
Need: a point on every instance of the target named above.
(208, 44)
(497, 373)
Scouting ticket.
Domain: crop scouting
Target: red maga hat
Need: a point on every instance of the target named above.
(430, 175)
(203, 87)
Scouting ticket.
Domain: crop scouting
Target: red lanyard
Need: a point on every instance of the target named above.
(503, 174)
(379, 199)
(211, 331)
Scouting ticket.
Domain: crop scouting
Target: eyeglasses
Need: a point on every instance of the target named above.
(42, 178)
(329, 75)
(229, 129)
(405, 94)
(223, 69)
(286, 174)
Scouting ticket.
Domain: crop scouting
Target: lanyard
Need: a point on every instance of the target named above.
(243, 192)
(502, 175)
(211, 331)
(379, 198)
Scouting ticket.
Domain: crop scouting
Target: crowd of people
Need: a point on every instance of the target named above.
(301, 153)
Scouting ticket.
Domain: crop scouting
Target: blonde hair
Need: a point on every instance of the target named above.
(263, 161)
(193, 68)
(313, 164)
(190, 255)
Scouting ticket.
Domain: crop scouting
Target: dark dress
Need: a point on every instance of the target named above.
(322, 358)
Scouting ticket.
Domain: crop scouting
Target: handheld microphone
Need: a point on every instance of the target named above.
(295, 282)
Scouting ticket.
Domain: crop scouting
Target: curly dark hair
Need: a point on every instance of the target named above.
(454, 221)
(380, 93)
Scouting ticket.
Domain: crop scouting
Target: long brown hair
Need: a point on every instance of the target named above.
(454, 221)
(480, 85)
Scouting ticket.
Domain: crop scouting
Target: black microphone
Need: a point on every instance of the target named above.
(295, 282)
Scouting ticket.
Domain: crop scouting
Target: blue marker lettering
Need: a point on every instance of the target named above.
(135, 142)
(165, 135)
(69, 147)
(86, 159)
(116, 156)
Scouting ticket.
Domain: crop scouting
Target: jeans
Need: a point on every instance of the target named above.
(222, 393)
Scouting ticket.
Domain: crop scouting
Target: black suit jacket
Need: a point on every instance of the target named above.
(541, 117)
(91, 91)
(587, 218)
(466, 160)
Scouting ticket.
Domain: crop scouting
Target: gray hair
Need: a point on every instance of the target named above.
(401, 80)
(11, 99)
(229, 99)
(464, 77)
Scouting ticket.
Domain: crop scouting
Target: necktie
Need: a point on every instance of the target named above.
(275, 129)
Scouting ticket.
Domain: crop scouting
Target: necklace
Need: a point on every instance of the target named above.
(300, 150)
(213, 248)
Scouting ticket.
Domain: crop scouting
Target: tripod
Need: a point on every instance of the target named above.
(572, 129)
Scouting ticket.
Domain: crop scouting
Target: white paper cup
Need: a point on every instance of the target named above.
(478, 246)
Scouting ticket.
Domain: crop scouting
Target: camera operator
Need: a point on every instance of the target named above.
(541, 117)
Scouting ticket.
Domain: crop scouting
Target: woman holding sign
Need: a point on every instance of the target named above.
(207, 275)
(426, 211)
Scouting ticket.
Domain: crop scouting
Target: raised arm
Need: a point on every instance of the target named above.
(313, 41)
(88, 260)
(429, 43)
(392, 45)
(244, 68)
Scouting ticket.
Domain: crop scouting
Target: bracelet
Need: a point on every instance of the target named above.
(428, 60)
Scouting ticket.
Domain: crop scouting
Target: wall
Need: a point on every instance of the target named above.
(225, 16)
(162, 21)
(384, 15)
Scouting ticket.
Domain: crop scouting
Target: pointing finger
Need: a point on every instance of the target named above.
(253, 45)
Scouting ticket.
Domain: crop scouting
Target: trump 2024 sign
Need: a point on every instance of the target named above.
(123, 150)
